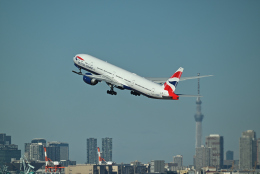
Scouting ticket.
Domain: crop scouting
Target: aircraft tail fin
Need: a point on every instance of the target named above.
(171, 84)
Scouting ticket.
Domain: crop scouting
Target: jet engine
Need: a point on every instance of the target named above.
(89, 80)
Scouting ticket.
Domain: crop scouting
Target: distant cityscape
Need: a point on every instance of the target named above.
(208, 158)
(210, 155)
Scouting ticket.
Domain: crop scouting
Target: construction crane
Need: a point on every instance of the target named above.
(254, 166)
(100, 159)
(51, 166)
(232, 167)
(4, 170)
(27, 167)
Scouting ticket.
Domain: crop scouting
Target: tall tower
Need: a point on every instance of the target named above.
(198, 118)
(247, 150)
(107, 148)
(92, 157)
(230, 155)
(59, 150)
(216, 142)
(202, 157)
(36, 151)
(179, 160)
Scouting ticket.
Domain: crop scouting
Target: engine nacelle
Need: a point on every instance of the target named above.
(89, 80)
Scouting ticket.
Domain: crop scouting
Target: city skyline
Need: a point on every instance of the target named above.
(56, 151)
(210, 154)
(41, 97)
(106, 140)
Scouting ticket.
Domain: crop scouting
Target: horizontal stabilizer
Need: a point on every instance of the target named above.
(195, 77)
(185, 95)
(162, 80)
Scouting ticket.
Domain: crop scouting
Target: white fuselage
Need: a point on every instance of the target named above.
(130, 80)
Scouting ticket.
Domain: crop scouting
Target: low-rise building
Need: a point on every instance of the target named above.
(88, 169)
(157, 166)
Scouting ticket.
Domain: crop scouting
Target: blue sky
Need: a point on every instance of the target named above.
(41, 98)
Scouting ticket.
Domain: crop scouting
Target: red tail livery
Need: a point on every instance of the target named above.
(171, 84)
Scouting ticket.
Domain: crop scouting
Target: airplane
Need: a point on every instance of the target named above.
(116, 77)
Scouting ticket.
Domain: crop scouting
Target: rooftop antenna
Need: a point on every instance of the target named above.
(198, 84)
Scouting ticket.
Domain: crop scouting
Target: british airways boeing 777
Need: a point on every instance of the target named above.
(115, 77)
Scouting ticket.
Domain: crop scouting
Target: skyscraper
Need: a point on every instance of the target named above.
(157, 166)
(198, 118)
(53, 152)
(39, 140)
(229, 155)
(258, 151)
(248, 150)
(203, 157)
(107, 148)
(27, 150)
(179, 160)
(63, 149)
(92, 156)
(36, 151)
(8, 150)
(216, 142)
(5, 139)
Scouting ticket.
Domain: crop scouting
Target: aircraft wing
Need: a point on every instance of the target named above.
(104, 78)
(164, 79)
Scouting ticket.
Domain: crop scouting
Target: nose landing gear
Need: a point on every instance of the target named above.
(79, 73)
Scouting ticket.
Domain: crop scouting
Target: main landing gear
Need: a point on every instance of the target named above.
(135, 93)
(111, 91)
